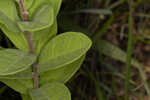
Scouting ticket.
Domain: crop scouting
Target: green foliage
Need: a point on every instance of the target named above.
(20, 75)
(55, 3)
(51, 91)
(58, 57)
(41, 39)
(62, 74)
(42, 19)
(26, 97)
(13, 61)
(8, 8)
(94, 11)
(8, 24)
(116, 53)
(76, 45)
(20, 85)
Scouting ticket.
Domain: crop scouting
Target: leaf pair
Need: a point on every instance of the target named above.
(14, 69)
(43, 36)
(58, 61)
(58, 58)
(50, 91)
(62, 57)
(44, 18)
(42, 24)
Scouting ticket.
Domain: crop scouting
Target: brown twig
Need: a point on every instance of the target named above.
(30, 42)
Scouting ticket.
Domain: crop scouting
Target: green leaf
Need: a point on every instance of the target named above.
(116, 53)
(13, 61)
(51, 91)
(41, 37)
(55, 4)
(27, 74)
(43, 18)
(8, 23)
(62, 74)
(20, 85)
(8, 17)
(28, 4)
(62, 50)
(25, 97)
(9, 9)
(94, 11)
(18, 39)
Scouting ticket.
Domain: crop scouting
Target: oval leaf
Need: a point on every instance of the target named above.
(27, 74)
(20, 85)
(55, 4)
(43, 18)
(62, 50)
(51, 91)
(8, 23)
(8, 17)
(13, 61)
(18, 39)
(62, 74)
(8, 8)
(43, 36)
(8, 14)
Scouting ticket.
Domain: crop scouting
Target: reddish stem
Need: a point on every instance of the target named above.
(23, 11)
(30, 42)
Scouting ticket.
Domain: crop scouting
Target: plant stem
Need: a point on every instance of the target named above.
(129, 52)
(30, 42)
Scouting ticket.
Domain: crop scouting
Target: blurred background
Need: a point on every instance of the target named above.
(117, 67)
